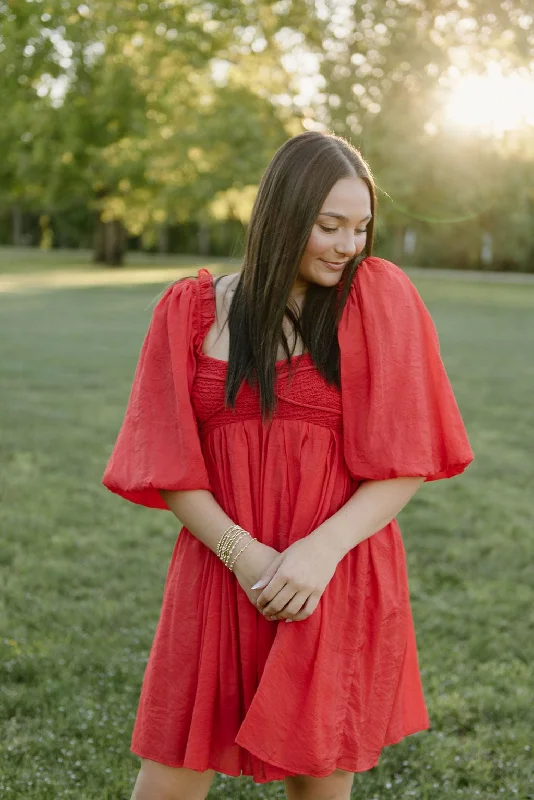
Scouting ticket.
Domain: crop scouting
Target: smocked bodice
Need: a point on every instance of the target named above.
(302, 392)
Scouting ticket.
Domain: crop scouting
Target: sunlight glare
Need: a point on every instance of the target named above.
(491, 104)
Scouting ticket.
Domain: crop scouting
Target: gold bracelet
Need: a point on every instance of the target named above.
(229, 544)
(231, 566)
(225, 538)
(226, 533)
(228, 541)
(230, 550)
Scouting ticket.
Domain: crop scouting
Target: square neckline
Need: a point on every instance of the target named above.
(222, 361)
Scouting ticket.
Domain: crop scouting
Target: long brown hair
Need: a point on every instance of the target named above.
(290, 195)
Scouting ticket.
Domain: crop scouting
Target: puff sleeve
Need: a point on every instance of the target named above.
(158, 446)
(400, 416)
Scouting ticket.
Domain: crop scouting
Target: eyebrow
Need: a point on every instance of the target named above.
(342, 217)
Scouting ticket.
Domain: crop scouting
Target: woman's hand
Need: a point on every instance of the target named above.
(251, 565)
(295, 581)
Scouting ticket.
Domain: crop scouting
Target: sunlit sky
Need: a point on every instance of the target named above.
(492, 103)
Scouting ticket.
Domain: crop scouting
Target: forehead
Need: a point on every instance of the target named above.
(349, 196)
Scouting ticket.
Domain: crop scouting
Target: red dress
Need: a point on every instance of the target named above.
(224, 688)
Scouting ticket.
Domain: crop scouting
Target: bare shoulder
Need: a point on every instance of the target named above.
(216, 341)
(226, 282)
(224, 290)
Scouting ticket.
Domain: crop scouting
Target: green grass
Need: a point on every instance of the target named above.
(83, 571)
(28, 260)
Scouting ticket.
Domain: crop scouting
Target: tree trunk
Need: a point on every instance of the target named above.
(109, 243)
(115, 243)
(99, 252)
(203, 238)
(163, 238)
(17, 222)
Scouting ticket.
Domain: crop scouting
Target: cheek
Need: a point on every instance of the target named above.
(317, 245)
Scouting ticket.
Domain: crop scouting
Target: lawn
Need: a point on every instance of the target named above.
(31, 260)
(83, 571)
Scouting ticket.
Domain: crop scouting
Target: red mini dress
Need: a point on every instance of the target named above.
(223, 687)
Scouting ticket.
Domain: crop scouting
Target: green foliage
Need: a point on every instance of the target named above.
(386, 80)
(162, 113)
(141, 132)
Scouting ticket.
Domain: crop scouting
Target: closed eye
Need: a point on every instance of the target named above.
(333, 230)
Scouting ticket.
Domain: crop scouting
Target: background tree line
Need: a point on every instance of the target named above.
(148, 125)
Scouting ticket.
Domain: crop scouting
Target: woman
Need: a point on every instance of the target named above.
(285, 415)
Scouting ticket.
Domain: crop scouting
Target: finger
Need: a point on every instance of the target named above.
(307, 609)
(294, 606)
(271, 590)
(280, 601)
(268, 573)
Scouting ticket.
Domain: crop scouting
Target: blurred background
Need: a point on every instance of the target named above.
(134, 126)
(132, 140)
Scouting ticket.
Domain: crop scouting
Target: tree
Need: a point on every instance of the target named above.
(143, 132)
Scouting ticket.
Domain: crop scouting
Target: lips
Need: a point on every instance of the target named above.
(334, 264)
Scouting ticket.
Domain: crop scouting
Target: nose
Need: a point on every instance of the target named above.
(346, 247)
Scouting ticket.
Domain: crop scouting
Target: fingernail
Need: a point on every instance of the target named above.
(257, 585)
(289, 620)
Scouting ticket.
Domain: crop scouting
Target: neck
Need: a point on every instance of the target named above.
(298, 292)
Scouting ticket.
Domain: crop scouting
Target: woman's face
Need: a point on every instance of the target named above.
(338, 234)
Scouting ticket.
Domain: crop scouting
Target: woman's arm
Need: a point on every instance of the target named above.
(202, 515)
(296, 579)
(372, 506)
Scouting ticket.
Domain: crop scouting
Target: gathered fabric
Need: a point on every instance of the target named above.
(223, 687)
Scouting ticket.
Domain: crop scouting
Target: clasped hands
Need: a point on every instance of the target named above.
(290, 583)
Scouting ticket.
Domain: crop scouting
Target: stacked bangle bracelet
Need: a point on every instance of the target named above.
(228, 541)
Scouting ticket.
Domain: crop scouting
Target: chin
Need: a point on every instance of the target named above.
(321, 278)
(327, 278)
